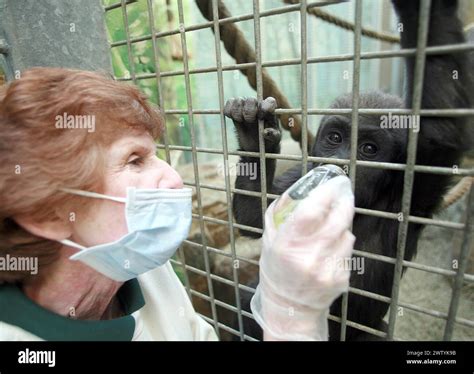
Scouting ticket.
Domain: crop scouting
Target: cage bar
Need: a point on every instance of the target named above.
(433, 50)
(409, 176)
(195, 161)
(226, 164)
(409, 168)
(458, 280)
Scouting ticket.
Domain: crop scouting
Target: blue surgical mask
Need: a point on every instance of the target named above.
(158, 222)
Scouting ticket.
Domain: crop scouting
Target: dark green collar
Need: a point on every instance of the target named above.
(17, 309)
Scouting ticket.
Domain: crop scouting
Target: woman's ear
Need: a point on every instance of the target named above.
(52, 229)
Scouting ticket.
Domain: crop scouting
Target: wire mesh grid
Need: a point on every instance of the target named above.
(409, 169)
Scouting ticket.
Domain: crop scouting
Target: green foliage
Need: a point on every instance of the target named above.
(143, 58)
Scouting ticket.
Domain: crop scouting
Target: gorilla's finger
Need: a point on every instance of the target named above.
(227, 108)
(272, 135)
(236, 110)
(250, 109)
(267, 107)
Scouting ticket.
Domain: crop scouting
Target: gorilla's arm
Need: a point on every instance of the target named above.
(441, 142)
(248, 209)
(447, 84)
(245, 113)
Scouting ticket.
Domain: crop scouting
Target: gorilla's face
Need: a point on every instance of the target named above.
(374, 144)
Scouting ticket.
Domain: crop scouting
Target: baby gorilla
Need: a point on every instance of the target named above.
(442, 141)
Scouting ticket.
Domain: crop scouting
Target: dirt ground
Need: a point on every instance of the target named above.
(433, 291)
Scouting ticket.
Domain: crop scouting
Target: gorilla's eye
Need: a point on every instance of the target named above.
(334, 137)
(369, 149)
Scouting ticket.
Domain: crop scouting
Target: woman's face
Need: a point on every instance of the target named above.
(131, 162)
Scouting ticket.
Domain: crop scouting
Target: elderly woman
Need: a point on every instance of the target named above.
(90, 217)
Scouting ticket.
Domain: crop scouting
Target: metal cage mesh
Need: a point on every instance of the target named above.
(409, 168)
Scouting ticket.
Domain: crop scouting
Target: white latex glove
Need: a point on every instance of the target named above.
(302, 264)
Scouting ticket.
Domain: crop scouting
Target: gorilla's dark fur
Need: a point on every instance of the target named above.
(441, 142)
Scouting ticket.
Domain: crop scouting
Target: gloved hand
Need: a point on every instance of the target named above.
(302, 263)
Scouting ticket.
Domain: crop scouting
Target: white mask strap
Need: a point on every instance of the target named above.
(70, 243)
(95, 195)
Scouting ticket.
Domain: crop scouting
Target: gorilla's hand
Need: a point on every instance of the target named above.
(245, 112)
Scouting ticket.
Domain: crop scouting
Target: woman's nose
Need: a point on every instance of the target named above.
(169, 177)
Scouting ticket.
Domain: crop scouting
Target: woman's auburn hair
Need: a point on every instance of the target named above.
(37, 157)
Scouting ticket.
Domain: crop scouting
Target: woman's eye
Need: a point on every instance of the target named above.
(135, 161)
(369, 149)
(334, 137)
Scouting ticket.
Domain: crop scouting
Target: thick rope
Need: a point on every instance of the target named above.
(236, 45)
(458, 191)
(328, 17)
